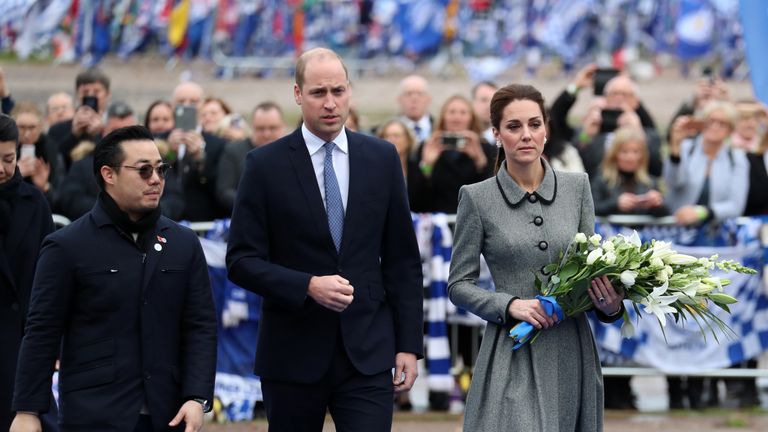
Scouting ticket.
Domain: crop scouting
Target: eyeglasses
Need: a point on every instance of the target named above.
(145, 171)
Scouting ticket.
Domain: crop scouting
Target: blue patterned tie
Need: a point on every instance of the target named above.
(334, 206)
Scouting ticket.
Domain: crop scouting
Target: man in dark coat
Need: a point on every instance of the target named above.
(123, 295)
(321, 229)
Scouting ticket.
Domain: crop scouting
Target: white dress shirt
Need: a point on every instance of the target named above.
(316, 149)
(425, 127)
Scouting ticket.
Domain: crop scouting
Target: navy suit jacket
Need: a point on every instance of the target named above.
(279, 239)
(30, 223)
(130, 326)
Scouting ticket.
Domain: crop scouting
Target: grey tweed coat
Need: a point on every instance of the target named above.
(554, 384)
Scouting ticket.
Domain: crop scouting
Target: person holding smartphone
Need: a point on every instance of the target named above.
(194, 155)
(92, 95)
(454, 155)
(620, 106)
(39, 164)
(706, 178)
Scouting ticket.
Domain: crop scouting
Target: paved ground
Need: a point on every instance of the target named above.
(615, 421)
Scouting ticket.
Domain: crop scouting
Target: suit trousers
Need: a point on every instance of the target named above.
(355, 401)
(144, 424)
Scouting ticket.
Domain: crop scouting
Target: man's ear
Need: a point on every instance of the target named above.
(297, 94)
(107, 174)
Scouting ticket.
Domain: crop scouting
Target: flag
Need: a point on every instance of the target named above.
(177, 23)
(421, 24)
(12, 11)
(683, 349)
(39, 26)
(237, 317)
(438, 259)
(754, 22)
(564, 30)
(694, 29)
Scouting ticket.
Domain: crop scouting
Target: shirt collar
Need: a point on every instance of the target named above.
(514, 194)
(314, 143)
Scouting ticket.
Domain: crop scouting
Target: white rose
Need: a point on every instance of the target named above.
(608, 246)
(580, 238)
(628, 277)
(595, 239)
(609, 258)
(669, 270)
(657, 263)
(594, 256)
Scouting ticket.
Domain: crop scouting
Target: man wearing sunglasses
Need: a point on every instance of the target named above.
(79, 189)
(122, 296)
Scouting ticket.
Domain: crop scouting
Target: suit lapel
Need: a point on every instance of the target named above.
(305, 173)
(356, 188)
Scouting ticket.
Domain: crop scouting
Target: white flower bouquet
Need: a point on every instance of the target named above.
(651, 275)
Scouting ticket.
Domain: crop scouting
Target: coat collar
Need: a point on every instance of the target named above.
(101, 219)
(514, 194)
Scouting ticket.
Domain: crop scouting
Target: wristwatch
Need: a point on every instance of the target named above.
(203, 402)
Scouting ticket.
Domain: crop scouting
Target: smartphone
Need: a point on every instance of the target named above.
(91, 101)
(610, 120)
(185, 117)
(452, 140)
(602, 76)
(27, 150)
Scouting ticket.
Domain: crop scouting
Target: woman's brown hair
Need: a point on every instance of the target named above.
(503, 97)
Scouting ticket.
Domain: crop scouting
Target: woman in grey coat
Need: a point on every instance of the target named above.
(519, 221)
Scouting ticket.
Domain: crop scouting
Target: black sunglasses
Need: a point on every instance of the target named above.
(145, 171)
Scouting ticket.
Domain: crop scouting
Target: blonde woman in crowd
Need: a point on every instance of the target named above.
(624, 185)
(706, 178)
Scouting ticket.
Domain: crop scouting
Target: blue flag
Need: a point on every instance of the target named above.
(694, 29)
(754, 22)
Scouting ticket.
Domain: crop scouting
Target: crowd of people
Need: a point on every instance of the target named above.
(710, 165)
(633, 168)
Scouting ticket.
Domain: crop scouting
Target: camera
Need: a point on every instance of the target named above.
(453, 140)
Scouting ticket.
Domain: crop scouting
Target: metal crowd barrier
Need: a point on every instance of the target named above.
(630, 220)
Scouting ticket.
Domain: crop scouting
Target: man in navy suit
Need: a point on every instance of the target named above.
(321, 229)
(122, 296)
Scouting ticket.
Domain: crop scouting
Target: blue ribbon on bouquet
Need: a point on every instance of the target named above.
(524, 331)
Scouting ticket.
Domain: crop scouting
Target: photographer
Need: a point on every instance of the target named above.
(92, 90)
(453, 156)
(617, 104)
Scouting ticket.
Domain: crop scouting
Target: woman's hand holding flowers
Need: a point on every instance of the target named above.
(604, 296)
(532, 312)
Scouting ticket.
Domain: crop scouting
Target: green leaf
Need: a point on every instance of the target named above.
(723, 307)
(720, 298)
(568, 271)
